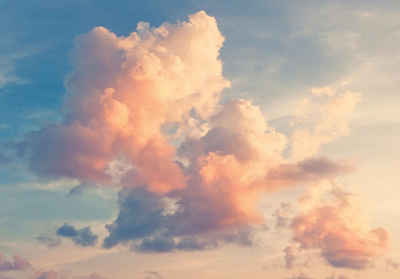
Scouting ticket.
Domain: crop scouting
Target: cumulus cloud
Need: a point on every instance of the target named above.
(227, 170)
(143, 112)
(337, 229)
(81, 237)
(325, 117)
(144, 220)
(124, 90)
(17, 263)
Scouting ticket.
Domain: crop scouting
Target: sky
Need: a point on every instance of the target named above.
(199, 139)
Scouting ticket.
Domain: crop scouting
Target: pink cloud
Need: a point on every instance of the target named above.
(151, 102)
(342, 236)
(17, 263)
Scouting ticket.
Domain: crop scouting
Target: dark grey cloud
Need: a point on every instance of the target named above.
(167, 244)
(158, 244)
(81, 237)
(140, 215)
(144, 222)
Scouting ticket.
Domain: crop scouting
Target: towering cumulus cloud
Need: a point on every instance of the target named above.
(143, 112)
(123, 91)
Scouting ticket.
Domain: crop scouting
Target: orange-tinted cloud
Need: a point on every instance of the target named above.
(328, 116)
(121, 94)
(150, 102)
(337, 229)
(228, 170)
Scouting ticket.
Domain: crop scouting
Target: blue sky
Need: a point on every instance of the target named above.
(274, 54)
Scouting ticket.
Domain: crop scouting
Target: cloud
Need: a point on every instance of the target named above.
(57, 275)
(153, 275)
(144, 220)
(9, 57)
(301, 276)
(124, 90)
(323, 91)
(225, 183)
(48, 275)
(140, 214)
(283, 215)
(338, 230)
(392, 264)
(81, 237)
(17, 263)
(50, 241)
(325, 117)
(308, 170)
(290, 256)
(144, 112)
(26, 270)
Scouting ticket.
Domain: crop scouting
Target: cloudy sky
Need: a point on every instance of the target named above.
(199, 139)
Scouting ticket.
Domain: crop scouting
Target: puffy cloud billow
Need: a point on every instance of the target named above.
(143, 112)
(337, 229)
(123, 92)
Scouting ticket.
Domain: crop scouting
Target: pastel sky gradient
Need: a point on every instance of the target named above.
(199, 139)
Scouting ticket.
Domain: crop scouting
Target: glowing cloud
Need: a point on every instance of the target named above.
(144, 112)
(327, 114)
(338, 230)
(123, 91)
